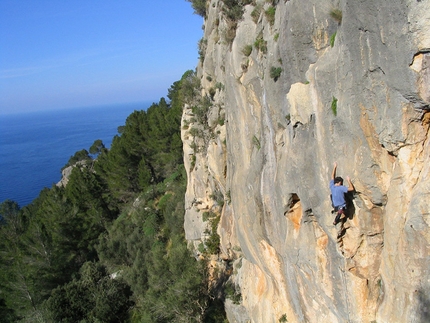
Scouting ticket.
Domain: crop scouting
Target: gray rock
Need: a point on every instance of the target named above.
(365, 103)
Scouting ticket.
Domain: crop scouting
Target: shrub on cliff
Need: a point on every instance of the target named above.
(199, 7)
(275, 72)
(233, 9)
(270, 15)
(336, 14)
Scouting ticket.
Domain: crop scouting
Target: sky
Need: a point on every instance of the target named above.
(57, 54)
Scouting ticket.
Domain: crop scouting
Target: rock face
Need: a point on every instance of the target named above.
(66, 172)
(325, 81)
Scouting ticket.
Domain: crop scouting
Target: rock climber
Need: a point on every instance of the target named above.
(338, 191)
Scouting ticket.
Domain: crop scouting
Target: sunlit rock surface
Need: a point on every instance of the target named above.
(355, 91)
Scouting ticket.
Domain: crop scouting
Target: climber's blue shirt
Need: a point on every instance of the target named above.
(338, 194)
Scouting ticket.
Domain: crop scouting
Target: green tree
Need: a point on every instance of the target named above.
(97, 147)
(79, 156)
(17, 287)
(95, 297)
(199, 7)
(9, 211)
(7, 315)
(119, 216)
(187, 89)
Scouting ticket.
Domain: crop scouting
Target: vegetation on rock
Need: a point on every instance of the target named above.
(199, 7)
(275, 72)
(336, 14)
(247, 50)
(256, 12)
(332, 39)
(261, 44)
(270, 15)
(334, 106)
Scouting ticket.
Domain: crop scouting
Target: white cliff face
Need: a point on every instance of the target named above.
(265, 152)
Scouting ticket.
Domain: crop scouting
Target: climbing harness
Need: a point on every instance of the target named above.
(340, 210)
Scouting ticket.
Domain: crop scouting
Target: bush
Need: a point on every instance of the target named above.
(196, 132)
(232, 293)
(229, 33)
(270, 15)
(275, 72)
(192, 162)
(200, 111)
(219, 86)
(199, 7)
(212, 243)
(202, 49)
(93, 297)
(256, 142)
(218, 197)
(261, 44)
(190, 86)
(233, 9)
(255, 14)
(212, 92)
(336, 14)
(194, 147)
(334, 106)
(207, 215)
(247, 50)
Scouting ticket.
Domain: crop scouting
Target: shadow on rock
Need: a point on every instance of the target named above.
(350, 208)
(423, 306)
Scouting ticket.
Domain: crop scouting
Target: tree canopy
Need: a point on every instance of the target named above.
(109, 246)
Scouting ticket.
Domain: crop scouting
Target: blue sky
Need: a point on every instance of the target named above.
(57, 54)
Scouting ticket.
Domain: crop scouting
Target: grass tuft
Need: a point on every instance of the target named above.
(256, 142)
(270, 15)
(334, 106)
(247, 50)
(332, 38)
(336, 14)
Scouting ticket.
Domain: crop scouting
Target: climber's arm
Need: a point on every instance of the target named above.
(350, 185)
(333, 173)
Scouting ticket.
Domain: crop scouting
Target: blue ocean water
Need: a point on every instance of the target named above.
(35, 146)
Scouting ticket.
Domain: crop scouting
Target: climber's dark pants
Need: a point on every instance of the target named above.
(339, 211)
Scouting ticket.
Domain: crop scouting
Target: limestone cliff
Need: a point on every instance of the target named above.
(293, 86)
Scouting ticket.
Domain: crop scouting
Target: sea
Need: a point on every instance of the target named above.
(35, 146)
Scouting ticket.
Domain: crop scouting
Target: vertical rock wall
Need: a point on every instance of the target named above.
(355, 90)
